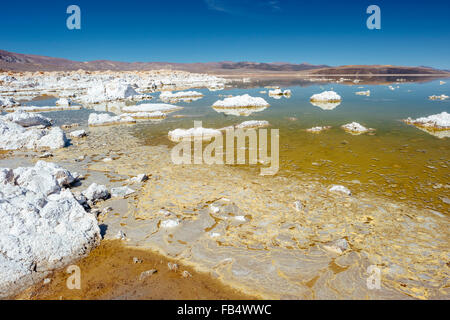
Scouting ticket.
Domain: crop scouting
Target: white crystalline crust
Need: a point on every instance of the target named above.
(43, 225)
(102, 119)
(253, 124)
(437, 121)
(241, 101)
(27, 119)
(203, 133)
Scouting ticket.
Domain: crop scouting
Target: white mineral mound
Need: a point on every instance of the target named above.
(14, 137)
(355, 128)
(241, 101)
(152, 107)
(167, 95)
(144, 115)
(439, 121)
(8, 102)
(100, 91)
(103, 119)
(441, 97)
(318, 129)
(363, 93)
(196, 133)
(43, 225)
(326, 96)
(63, 102)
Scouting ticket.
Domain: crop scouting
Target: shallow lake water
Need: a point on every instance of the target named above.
(398, 161)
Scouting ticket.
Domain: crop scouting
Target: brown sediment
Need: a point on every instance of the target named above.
(109, 272)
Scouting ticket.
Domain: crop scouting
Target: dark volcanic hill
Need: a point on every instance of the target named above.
(10, 61)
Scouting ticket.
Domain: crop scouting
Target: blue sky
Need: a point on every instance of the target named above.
(317, 32)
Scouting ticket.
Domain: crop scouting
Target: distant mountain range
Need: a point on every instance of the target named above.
(10, 61)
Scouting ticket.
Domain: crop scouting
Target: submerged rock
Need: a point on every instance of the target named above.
(43, 225)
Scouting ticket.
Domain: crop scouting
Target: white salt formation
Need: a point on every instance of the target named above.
(326, 96)
(167, 95)
(43, 225)
(241, 101)
(318, 129)
(363, 93)
(253, 124)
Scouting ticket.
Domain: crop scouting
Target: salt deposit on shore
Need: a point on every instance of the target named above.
(43, 225)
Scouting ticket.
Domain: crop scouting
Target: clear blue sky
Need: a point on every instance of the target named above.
(317, 32)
